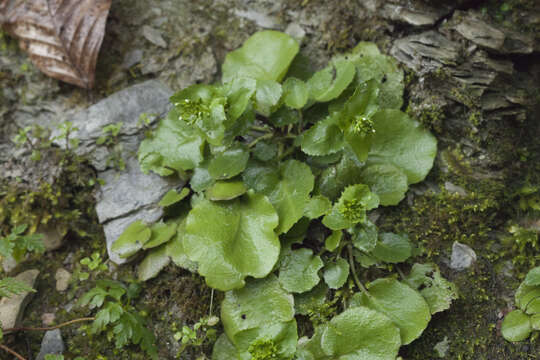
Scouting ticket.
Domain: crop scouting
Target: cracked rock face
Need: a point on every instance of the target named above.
(126, 106)
(129, 194)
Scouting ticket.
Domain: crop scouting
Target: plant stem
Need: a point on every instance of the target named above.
(51, 327)
(12, 352)
(261, 128)
(400, 272)
(211, 302)
(353, 271)
(265, 136)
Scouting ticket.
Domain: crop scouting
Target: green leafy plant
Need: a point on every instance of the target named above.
(116, 317)
(282, 169)
(95, 265)
(518, 324)
(17, 243)
(202, 331)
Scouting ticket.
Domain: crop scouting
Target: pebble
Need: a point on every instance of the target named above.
(62, 277)
(52, 343)
(462, 256)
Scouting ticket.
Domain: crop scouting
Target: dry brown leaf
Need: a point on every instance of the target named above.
(62, 37)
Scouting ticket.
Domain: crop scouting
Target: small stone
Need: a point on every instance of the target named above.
(296, 31)
(462, 256)
(261, 19)
(52, 343)
(8, 264)
(62, 277)
(441, 348)
(48, 319)
(132, 58)
(53, 237)
(154, 36)
(12, 308)
(455, 189)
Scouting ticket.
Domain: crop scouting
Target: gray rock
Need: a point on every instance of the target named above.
(53, 237)
(425, 52)
(52, 343)
(151, 97)
(190, 68)
(416, 14)
(62, 278)
(261, 19)
(296, 31)
(154, 36)
(132, 58)
(455, 189)
(473, 28)
(462, 256)
(128, 191)
(12, 308)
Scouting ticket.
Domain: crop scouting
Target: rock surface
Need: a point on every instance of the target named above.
(12, 308)
(126, 195)
(462, 256)
(126, 106)
(52, 343)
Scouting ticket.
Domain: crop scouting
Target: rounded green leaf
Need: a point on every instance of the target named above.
(535, 321)
(226, 190)
(387, 181)
(224, 349)
(436, 290)
(404, 306)
(172, 197)
(402, 142)
(392, 248)
(161, 233)
(239, 93)
(284, 116)
(323, 138)
(295, 93)
(176, 251)
(267, 96)
(132, 239)
(232, 240)
(334, 179)
(516, 326)
(365, 236)
(266, 55)
(528, 298)
(265, 151)
(156, 260)
(533, 277)
(228, 163)
(287, 189)
(329, 83)
(332, 242)
(298, 270)
(336, 273)
(201, 179)
(360, 334)
(317, 206)
(174, 146)
(260, 303)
